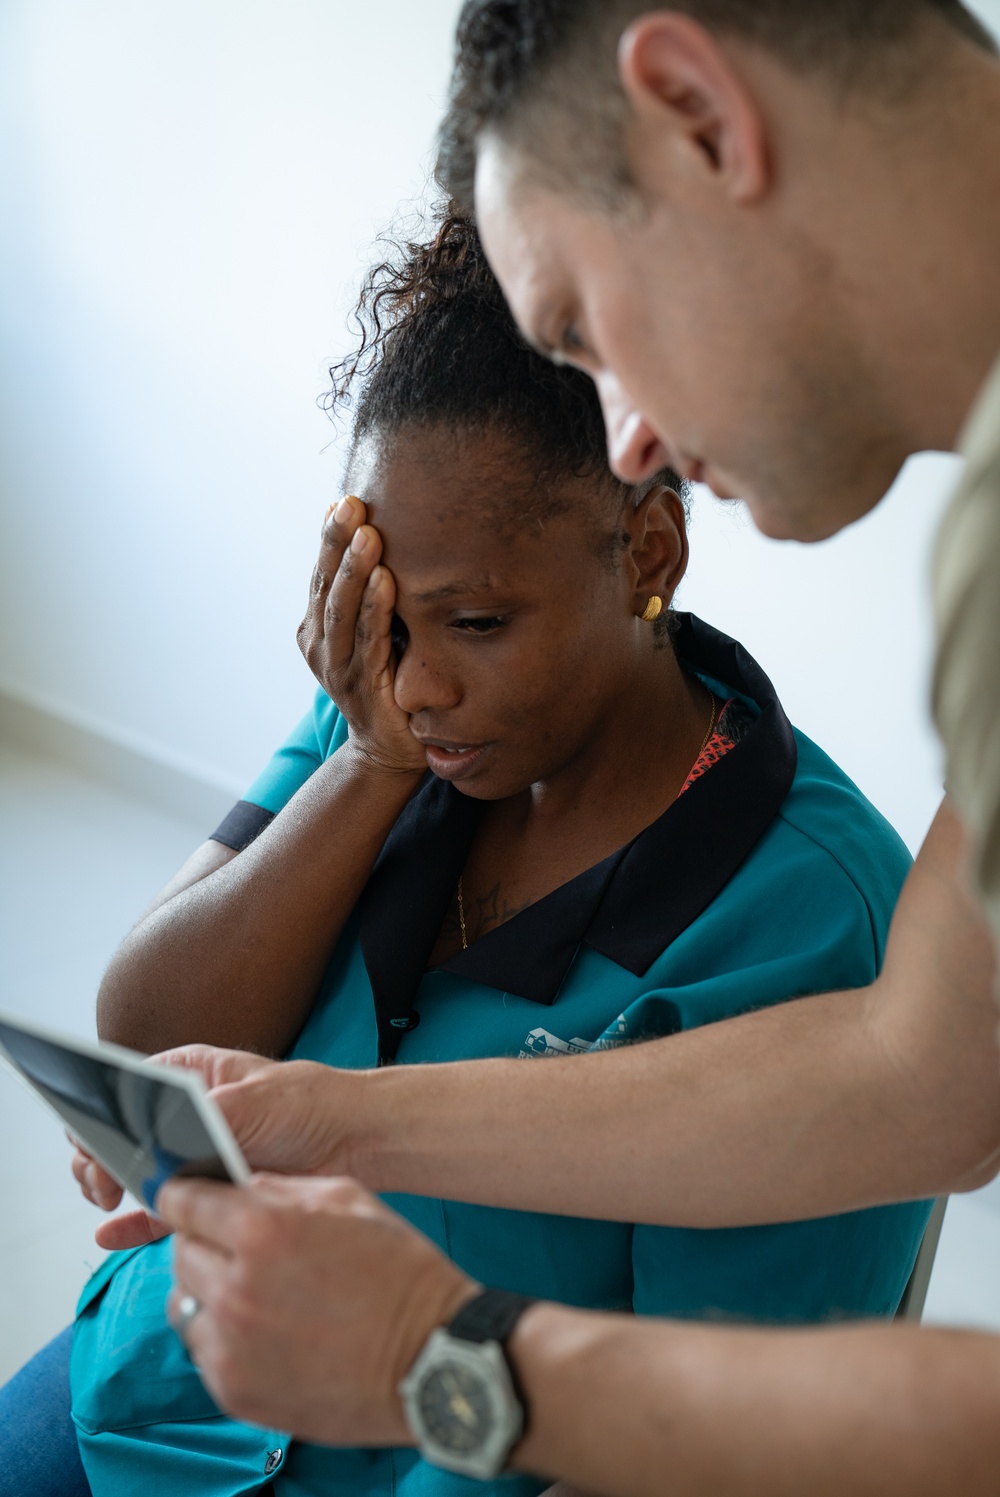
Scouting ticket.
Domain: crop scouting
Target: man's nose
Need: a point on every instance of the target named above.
(635, 452)
(421, 686)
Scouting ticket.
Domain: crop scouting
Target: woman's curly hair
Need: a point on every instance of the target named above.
(438, 347)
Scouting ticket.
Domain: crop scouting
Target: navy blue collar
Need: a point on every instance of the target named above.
(629, 907)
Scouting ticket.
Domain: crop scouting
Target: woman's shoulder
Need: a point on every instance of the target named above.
(311, 742)
(827, 807)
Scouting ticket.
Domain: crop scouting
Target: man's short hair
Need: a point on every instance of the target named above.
(525, 64)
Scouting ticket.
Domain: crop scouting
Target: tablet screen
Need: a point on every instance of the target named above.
(142, 1122)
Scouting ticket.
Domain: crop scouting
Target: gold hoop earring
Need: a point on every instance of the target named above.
(652, 611)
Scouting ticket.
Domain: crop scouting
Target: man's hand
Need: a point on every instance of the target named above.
(289, 1117)
(346, 638)
(316, 1300)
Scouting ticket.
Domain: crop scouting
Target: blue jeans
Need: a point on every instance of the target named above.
(39, 1454)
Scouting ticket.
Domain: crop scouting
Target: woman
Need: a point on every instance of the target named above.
(619, 836)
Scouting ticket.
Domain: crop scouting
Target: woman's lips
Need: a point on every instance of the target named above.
(454, 762)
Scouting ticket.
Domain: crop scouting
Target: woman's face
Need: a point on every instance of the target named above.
(519, 630)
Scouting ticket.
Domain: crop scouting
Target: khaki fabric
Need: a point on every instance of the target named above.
(967, 673)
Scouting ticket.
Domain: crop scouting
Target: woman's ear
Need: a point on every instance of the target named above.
(658, 554)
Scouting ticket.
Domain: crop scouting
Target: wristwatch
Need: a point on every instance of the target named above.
(461, 1397)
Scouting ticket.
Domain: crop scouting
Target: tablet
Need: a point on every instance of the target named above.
(144, 1122)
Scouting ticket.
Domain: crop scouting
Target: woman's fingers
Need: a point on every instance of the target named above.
(349, 551)
(103, 1189)
(341, 521)
(346, 594)
(100, 1188)
(374, 627)
(374, 663)
(346, 638)
(338, 530)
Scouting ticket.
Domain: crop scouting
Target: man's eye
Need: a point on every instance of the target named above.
(571, 344)
(479, 626)
(569, 347)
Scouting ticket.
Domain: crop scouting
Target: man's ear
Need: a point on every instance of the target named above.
(690, 101)
(659, 550)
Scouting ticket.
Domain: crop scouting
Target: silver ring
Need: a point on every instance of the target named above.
(186, 1312)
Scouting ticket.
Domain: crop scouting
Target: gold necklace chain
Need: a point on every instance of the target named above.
(461, 914)
(461, 876)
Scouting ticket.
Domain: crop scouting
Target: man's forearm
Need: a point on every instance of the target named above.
(782, 1115)
(633, 1408)
(824, 1105)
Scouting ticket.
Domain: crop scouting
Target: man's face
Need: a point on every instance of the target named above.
(718, 343)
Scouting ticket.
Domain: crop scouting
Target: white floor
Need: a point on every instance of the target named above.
(77, 864)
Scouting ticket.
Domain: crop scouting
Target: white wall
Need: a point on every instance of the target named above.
(843, 629)
(188, 192)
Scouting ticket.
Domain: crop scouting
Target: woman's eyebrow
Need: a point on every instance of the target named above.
(455, 589)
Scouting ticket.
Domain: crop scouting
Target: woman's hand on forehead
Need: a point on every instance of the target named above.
(346, 640)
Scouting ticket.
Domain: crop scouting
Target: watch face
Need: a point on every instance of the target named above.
(461, 1405)
(455, 1408)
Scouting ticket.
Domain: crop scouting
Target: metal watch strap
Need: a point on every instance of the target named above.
(490, 1316)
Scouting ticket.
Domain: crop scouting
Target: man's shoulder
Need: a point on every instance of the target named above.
(979, 443)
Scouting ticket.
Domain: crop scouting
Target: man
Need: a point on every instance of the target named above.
(867, 339)
(802, 201)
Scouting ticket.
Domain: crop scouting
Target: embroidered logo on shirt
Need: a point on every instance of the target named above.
(614, 1036)
(541, 1042)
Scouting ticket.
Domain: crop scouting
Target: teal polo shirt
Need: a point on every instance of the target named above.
(770, 878)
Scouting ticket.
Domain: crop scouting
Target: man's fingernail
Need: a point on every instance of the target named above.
(329, 511)
(344, 510)
(358, 542)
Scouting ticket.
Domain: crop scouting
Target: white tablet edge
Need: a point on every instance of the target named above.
(192, 1082)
